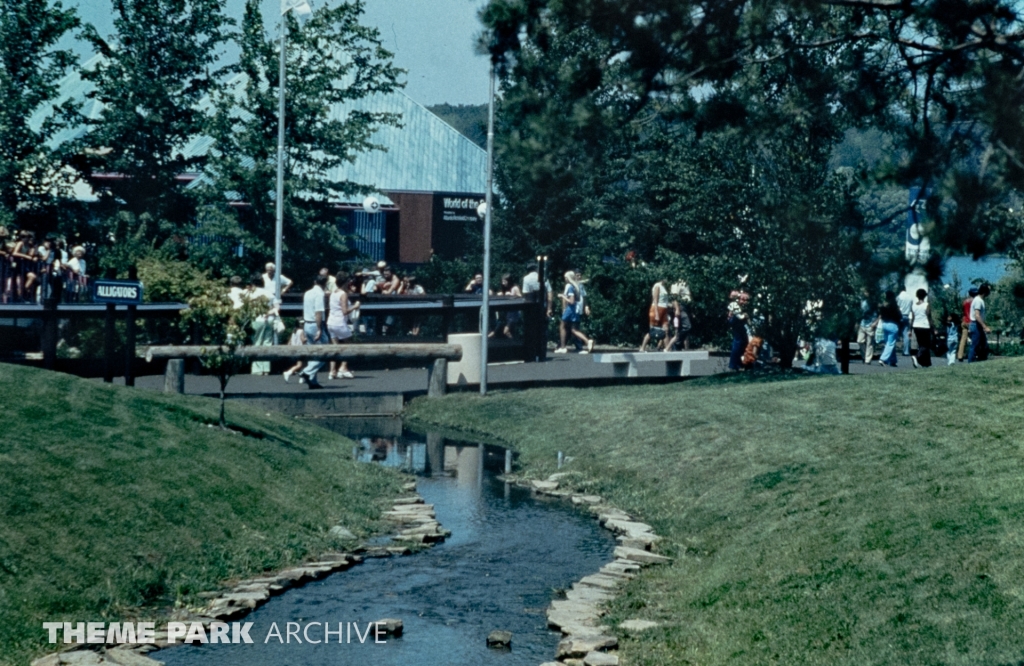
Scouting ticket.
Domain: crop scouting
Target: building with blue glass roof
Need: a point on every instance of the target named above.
(429, 177)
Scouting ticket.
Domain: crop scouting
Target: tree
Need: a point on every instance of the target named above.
(597, 164)
(333, 62)
(152, 74)
(941, 76)
(30, 174)
(224, 332)
(562, 141)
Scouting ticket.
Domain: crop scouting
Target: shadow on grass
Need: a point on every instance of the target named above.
(760, 375)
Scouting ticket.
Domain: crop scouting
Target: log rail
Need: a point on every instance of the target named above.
(434, 356)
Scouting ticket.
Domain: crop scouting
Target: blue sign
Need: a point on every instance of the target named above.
(121, 292)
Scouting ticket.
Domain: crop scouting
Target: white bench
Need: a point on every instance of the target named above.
(677, 364)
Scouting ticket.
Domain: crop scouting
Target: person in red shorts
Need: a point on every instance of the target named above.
(737, 317)
(965, 323)
(657, 316)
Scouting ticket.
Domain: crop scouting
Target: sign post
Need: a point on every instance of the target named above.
(114, 293)
(117, 292)
(109, 333)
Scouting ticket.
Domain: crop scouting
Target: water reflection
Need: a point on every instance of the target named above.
(430, 454)
(498, 570)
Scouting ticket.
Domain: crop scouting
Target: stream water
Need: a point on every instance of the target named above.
(507, 554)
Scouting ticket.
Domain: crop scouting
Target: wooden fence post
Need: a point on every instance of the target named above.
(129, 336)
(50, 334)
(174, 376)
(437, 378)
(109, 336)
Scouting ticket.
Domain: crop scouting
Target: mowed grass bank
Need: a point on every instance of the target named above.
(118, 503)
(841, 520)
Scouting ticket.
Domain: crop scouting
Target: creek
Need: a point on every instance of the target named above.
(506, 557)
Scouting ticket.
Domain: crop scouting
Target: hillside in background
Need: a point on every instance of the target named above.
(469, 119)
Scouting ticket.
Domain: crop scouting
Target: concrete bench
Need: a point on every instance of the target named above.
(677, 364)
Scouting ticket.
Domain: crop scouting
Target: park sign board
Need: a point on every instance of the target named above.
(453, 214)
(119, 292)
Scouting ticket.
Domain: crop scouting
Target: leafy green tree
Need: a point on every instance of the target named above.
(223, 331)
(559, 127)
(161, 61)
(30, 174)
(941, 77)
(333, 62)
(598, 164)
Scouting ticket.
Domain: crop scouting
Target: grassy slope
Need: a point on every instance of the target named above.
(850, 520)
(113, 499)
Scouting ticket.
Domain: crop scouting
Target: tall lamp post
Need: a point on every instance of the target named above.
(299, 8)
(485, 308)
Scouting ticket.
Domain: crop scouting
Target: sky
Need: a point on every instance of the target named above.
(432, 39)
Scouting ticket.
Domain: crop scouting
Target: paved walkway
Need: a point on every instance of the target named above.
(559, 369)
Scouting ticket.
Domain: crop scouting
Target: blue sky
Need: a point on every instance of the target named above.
(432, 39)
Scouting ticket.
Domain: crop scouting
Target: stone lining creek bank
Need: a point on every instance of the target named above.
(519, 558)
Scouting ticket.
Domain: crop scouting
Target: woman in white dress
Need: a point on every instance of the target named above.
(263, 325)
(338, 325)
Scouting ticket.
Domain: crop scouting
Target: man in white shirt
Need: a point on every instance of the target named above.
(236, 292)
(531, 283)
(978, 328)
(314, 324)
(268, 280)
(905, 302)
(77, 261)
(332, 282)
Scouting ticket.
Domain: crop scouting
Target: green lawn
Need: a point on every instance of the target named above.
(841, 520)
(118, 503)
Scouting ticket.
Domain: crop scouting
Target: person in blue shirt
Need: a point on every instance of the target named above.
(571, 316)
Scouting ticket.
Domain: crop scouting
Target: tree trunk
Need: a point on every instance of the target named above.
(787, 347)
(223, 398)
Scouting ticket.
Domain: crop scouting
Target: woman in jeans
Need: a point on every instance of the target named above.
(891, 318)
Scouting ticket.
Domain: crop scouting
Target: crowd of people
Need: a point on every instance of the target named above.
(668, 317)
(330, 312)
(32, 271)
(906, 317)
(961, 337)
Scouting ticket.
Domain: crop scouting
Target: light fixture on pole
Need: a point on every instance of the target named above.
(485, 307)
(299, 8)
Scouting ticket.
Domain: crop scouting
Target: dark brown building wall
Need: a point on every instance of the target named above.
(415, 225)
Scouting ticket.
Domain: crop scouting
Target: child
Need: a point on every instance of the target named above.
(298, 339)
(952, 338)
